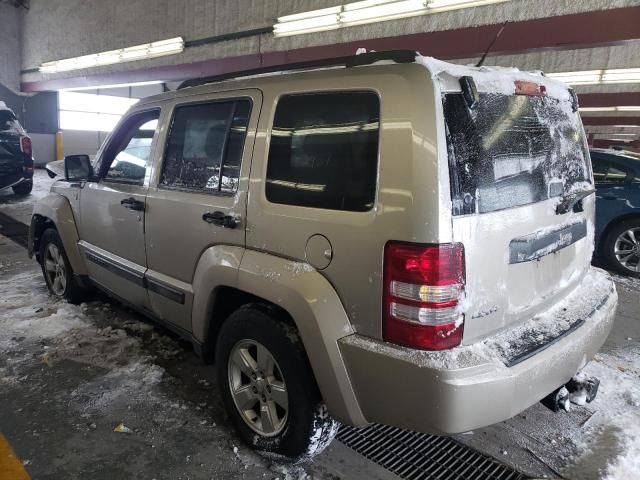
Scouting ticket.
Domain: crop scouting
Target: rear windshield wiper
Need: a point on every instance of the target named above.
(569, 200)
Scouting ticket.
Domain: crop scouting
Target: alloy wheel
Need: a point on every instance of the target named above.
(55, 269)
(258, 388)
(627, 249)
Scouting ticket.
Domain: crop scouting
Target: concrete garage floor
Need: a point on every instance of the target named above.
(70, 375)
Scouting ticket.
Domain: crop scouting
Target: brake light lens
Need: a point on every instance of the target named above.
(25, 145)
(423, 285)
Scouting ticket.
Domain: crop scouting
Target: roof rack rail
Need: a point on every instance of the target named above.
(398, 56)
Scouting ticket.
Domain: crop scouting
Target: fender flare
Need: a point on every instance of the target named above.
(57, 208)
(305, 294)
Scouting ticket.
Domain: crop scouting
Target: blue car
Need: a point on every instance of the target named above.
(617, 179)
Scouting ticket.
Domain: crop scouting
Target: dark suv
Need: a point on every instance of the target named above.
(16, 162)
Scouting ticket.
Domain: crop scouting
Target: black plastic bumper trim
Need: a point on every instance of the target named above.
(120, 270)
(165, 290)
(138, 278)
(536, 348)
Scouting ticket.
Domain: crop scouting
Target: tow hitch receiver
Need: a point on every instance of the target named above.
(579, 390)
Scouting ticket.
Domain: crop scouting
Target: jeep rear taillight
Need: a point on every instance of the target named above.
(25, 145)
(423, 285)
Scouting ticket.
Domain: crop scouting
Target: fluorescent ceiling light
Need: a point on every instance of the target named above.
(381, 12)
(366, 11)
(138, 52)
(596, 77)
(611, 109)
(315, 24)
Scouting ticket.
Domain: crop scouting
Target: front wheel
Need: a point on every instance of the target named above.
(622, 248)
(56, 268)
(268, 387)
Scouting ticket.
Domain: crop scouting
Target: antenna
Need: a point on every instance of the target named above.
(486, 52)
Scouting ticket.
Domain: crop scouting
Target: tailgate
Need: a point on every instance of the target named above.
(521, 193)
(520, 263)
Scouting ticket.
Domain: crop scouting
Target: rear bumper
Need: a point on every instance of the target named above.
(471, 387)
(15, 178)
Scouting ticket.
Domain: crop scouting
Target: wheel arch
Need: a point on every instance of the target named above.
(55, 211)
(612, 224)
(227, 278)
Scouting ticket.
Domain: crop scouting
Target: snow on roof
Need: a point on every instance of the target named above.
(3, 106)
(491, 79)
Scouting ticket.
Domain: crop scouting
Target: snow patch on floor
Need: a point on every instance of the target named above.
(630, 284)
(609, 446)
(30, 319)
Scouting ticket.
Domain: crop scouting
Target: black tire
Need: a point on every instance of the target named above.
(608, 246)
(308, 428)
(23, 188)
(72, 291)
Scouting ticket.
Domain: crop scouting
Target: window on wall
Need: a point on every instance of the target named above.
(91, 112)
(205, 147)
(324, 151)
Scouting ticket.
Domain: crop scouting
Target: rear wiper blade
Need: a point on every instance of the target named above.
(568, 200)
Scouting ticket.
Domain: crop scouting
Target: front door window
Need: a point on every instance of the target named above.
(129, 154)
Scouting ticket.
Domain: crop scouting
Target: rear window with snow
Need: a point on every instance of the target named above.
(510, 151)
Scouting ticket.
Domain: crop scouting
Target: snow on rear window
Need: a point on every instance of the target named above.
(512, 150)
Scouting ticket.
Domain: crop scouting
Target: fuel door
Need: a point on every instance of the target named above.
(318, 251)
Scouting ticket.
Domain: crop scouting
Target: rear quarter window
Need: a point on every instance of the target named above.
(323, 151)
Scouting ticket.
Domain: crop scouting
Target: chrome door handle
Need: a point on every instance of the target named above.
(220, 219)
(132, 204)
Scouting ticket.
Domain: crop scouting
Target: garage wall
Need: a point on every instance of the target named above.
(90, 26)
(10, 33)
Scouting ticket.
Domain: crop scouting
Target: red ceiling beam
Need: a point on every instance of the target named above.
(608, 121)
(582, 30)
(610, 99)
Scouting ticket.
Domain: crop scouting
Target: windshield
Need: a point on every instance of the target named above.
(510, 151)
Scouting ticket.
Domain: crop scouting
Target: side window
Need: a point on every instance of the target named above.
(128, 155)
(599, 168)
(205, 146)
(615, 175)
(324, 151)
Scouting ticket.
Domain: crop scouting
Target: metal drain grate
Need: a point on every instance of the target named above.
(418, 456)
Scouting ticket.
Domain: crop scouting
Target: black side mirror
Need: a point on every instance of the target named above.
(77, 168)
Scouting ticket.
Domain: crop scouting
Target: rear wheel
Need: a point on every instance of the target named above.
(622, 248)
(56, 269)
(23, 188)
(268, 387)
